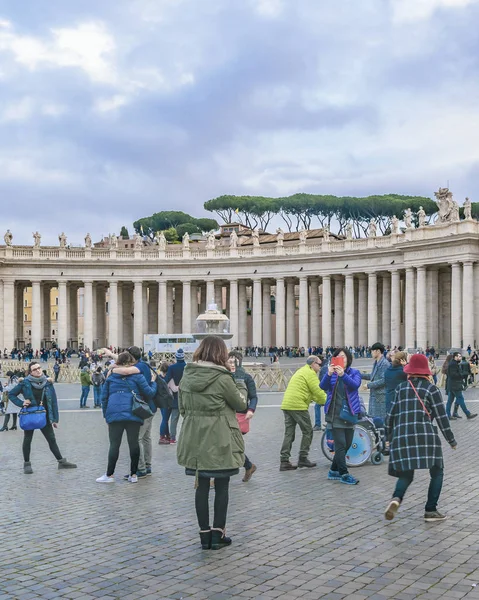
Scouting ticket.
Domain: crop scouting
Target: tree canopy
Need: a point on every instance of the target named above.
(178, 221)
(309, 210)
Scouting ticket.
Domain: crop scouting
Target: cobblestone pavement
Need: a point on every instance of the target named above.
(295, 534)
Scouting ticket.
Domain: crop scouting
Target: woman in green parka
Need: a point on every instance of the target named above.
(211, 444)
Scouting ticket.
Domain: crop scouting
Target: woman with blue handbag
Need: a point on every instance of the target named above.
(342, 410)
(39, 411)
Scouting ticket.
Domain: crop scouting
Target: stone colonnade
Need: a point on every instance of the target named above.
(413, 306)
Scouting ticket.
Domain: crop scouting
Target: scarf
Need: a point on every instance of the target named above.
(38, 382)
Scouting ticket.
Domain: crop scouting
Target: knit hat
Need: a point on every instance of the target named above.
(418, 365)
(180, 354)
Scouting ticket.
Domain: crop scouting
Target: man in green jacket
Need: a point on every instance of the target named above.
(86, 382)
(302, 389)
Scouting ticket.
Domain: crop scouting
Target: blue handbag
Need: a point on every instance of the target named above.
(33, 417)
(347, 415)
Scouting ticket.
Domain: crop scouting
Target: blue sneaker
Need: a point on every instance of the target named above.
(349, 479)
(334, 475)
(141, 474)
(148, 470)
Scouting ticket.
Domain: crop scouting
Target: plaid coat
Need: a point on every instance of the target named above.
(415, 442)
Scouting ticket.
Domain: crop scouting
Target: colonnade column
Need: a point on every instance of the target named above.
(257, 313)
(194, 306)
(456, 306)
(362, 311)
(138, 314)
(314, 313)
(186, 312)
(233, 312)
(410, 309)
(433, 307)
(62, 314)
(169, 308)
(242, 315)
(327, 330)
(120, 316)
(8, 314)
(88, 314)
(386, 321)
(421, 308)
(113, 314)
(2, 322)
(372, 309)
(303, 334)
(210, 292)
(280, 313)
(338, 311)
(153, 309)
(290, 315)
(476, 304)
(349, 324)
(36, 315)
(468, 305)
(162, 307)
(47, 311)
(395, 308)
(266, 314)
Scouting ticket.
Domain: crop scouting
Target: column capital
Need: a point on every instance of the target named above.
(468, 263)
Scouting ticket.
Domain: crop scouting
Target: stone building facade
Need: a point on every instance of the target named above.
(414, 288)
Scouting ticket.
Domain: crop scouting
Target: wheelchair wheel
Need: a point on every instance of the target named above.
(327, 445)
(376, 458)
(359, 452)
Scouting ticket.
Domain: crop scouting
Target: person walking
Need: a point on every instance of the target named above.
(317, 407)
(303, 388)
(37, 390)
(173, 378)
(10, 409)
(86, 382)
(455, 386)
(210, 444)
(116, 398)
(98, 379)
(415, 443)
(244, 417)
(376, 385)
(56, 370)
(394, 375)
(342, 410)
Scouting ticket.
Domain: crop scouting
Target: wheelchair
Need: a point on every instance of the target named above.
(369, 443)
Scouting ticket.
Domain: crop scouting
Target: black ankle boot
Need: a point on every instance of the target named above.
(205, 537)
(13, 428)
(6, 419)
(219, 539)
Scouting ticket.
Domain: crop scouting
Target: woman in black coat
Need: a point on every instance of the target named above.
(415, 442)
(393, 376)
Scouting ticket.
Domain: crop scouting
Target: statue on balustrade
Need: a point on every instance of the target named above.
(303, 234)
(326, 233)
(445, 203)
(88, 241)
(160, 240)
(349, 231)
(394, 224)
(373, 228)
(62, 238)
(279, 236)
(186, 241)
(233, 239)
(113, 241)
(455, 211)
(467, 208)
(37, 238)
(138, 242)
(408, 218)
(255, 237)
(8, 237)
(421, 217)
(210, 243)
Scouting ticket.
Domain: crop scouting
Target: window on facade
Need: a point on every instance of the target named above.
(26, 303)
(56, 316)
(25, 317)
(56, 300)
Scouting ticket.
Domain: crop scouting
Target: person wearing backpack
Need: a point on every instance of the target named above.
(98, 379)
(173, 378)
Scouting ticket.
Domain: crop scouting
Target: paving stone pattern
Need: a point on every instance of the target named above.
(295, 534)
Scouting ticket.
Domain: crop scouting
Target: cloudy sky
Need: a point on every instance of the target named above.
(111, 110)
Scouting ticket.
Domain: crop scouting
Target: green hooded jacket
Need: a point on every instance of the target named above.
(210, 438)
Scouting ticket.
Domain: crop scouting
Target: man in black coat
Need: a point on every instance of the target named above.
(455, 381)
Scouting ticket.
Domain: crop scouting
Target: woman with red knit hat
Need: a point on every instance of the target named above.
(415, 442)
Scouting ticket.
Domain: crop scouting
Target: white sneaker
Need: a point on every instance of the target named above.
(133, 479)
(105, 479)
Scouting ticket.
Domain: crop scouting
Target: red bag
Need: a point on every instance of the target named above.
(243, 422)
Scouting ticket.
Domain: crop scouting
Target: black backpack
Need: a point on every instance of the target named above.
(163, 397)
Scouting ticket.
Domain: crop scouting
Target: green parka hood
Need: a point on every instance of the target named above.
(198, 376)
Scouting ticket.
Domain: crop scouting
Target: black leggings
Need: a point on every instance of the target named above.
(48, 434)
(221, 502)
(115, 431)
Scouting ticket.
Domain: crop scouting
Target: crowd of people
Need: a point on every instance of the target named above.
(217, 399)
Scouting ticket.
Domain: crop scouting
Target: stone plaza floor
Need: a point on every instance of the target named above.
(295, 534)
